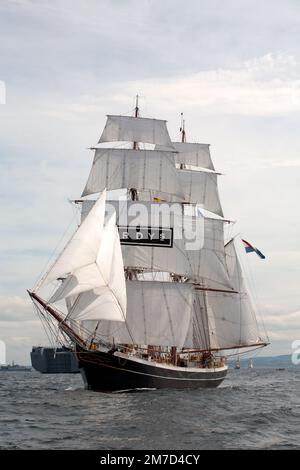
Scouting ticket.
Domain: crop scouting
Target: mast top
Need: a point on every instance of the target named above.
(136, 114)
(182, 129)
(136, 109)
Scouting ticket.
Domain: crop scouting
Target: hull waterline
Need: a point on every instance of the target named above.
(105, 372)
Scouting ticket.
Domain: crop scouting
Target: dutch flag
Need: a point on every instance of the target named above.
(249, 249)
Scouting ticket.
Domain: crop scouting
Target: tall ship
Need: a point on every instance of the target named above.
(147, 289)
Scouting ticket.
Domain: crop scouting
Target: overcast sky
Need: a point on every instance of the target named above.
(233, 68)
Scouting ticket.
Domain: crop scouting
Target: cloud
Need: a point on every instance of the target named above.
(288, 335)
(263, 86)
(234, 72)
(20, 328)
(281, 326)
(14, 308)
(285, 321)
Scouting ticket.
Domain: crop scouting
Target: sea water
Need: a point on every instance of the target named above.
(252, 409)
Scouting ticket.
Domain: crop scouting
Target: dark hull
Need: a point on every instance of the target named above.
(104, 372)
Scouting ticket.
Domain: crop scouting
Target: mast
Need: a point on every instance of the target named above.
(136, 114)
(182, 129)
(133, 191)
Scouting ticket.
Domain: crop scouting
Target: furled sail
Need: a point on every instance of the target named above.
(193, 154)
(139, 169)
(158, 313)
(135, 129)
(201, 187)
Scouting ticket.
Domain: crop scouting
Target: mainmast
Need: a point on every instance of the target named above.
(136, 114)
(133, 191)
(182, 129)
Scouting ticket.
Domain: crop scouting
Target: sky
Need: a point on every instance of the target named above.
(232, 67)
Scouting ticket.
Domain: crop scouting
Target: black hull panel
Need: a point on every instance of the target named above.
(104, 372)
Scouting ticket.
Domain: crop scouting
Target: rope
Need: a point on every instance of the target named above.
(42, 276)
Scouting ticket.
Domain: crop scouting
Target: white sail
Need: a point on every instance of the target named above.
(139, 169)
(83, 247)
(97, 270)
(208, 264)
(106, 271)
(153, 258)
(234, 267)
(100, 287)
(201, 187)
(135, 129)
(193, 154)
(231, 317)
(198, 335)
(97, 304)
(158, 313)
(203, 262)
(205, 265)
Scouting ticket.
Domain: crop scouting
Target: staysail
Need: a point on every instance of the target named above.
(82, 248)
(91, 266)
